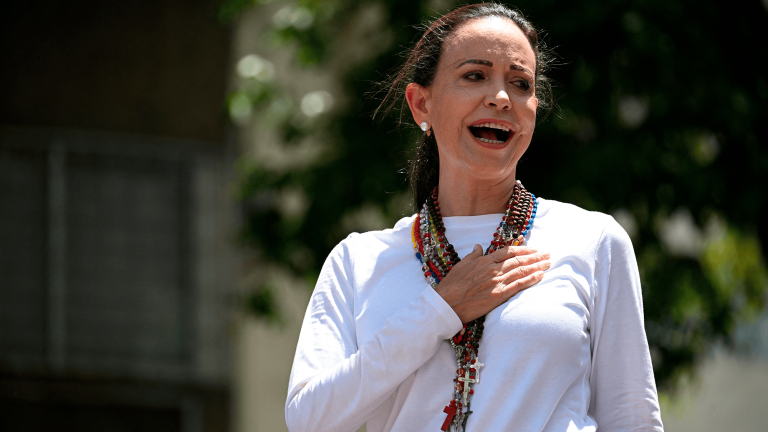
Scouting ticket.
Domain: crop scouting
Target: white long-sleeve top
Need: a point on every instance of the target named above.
(568, 354)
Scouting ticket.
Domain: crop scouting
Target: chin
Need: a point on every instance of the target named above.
(489, 170)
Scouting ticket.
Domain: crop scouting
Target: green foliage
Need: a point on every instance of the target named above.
(733, 264)
(262, 303)
(661, 104)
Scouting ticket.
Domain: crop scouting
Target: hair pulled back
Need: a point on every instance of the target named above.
(421, 66)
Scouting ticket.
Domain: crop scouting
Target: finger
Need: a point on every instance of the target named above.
(511, 252)
(522, 284)
(524, 260)
(477, 252)
(522, 272)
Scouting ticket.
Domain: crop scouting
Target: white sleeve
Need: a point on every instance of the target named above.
(623, 389)
(336, 385)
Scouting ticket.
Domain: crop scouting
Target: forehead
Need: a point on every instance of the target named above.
(489, 38)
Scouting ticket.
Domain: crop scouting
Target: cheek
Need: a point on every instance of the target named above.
(529, 110)
(452, 107)
(449, 124)
(447, 115)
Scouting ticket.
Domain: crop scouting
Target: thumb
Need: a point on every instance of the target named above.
(477, 252)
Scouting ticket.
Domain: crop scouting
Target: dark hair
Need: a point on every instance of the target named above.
(420, 68)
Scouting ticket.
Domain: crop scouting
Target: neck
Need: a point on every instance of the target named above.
(463, 197)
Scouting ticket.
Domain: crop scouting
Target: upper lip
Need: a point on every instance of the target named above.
(497, 121)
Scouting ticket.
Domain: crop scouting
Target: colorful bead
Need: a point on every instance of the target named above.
(438, 256)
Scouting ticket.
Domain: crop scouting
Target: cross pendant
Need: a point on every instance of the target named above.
(467, 381)
(476, 366)
(451, 411)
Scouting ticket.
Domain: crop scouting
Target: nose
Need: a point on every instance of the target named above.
(499, 101)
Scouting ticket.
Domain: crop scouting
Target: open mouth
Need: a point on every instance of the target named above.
(491, 133)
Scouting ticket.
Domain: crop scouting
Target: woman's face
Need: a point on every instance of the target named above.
(482, 104)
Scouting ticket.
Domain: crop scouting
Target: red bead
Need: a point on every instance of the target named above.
(471, 391)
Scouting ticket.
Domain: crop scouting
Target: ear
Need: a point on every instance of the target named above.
(418, 98)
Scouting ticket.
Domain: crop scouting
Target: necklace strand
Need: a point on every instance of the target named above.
(437, 257)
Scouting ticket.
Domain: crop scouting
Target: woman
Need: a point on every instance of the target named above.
(550, 317)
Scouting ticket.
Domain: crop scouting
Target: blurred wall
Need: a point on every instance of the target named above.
(149, 67)
(117, 271)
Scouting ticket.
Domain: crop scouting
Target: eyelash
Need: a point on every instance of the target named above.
(521, 83)
(525, 85)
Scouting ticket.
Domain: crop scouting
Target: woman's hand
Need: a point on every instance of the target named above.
(478, 284)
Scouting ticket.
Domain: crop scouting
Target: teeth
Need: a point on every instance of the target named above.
(493, 126)
(491, 141)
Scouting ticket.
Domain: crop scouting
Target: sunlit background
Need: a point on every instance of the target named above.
(173, 174)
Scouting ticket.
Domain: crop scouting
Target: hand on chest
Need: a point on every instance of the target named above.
(553, 313)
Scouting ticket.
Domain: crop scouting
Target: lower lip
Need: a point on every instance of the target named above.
(494, 146)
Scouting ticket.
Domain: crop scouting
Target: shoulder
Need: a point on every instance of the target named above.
(359, 251)
(574, 215)
(372, 241)
(599, 230)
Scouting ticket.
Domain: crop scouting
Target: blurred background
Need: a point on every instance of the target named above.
(173, 174)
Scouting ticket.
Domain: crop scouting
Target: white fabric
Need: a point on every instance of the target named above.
(568, 354)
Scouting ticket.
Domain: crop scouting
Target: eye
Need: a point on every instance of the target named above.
(474, 76)
(522, 84)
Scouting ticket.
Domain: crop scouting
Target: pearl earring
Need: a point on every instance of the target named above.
(424, 126)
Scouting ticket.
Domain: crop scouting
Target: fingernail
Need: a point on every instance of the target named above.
(548, 264)
(546, 255)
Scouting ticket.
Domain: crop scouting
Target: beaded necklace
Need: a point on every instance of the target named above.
(437, 257)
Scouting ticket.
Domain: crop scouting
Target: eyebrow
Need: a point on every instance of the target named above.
(490, 64)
